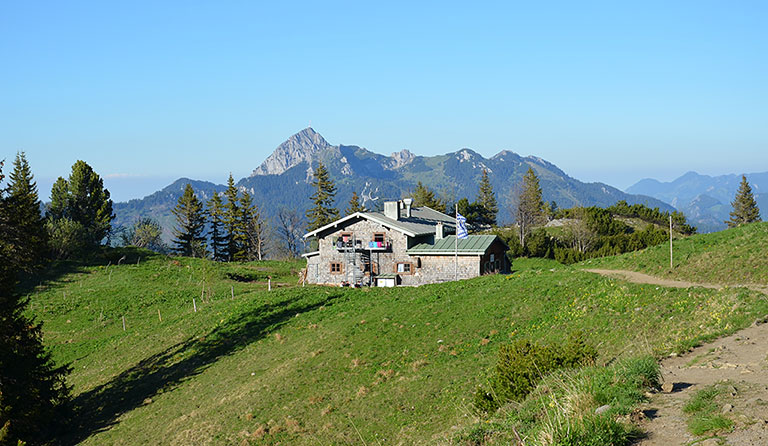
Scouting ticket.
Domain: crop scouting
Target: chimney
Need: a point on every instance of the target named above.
(408, 202)
(439, 231)
(392, 210)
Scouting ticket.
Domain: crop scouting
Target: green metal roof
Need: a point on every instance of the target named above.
(472, 245)
(387, 276)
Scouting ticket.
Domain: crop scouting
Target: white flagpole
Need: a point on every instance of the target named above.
(456, 246)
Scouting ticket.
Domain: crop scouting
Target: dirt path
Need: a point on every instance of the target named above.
(739, 362)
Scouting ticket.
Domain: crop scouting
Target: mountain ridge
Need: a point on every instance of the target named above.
(284, 179)
(704, 199)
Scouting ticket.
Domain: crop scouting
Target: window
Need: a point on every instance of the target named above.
(346, 236)
(336, 268)
(378, 237)
(404, 268)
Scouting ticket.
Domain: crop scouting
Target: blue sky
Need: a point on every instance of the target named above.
(147, 92)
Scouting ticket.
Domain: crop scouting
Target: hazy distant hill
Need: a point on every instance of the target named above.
(705, 200)
(284, 179)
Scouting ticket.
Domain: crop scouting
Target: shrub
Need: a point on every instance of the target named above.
(522, 364)
(67, 238)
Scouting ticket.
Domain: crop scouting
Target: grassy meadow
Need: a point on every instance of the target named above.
(318, 365)
(733, 257)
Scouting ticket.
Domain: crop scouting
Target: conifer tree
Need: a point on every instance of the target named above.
(231, 220)
(33, 392)
(424, 196)
(745, 208)
(83, 203)
(529, 204)
(25, 214)
(486, 202)
(218, 239)
(246, 211)
(190, 225)
(355, 205)
(252, 237)
(322, 212)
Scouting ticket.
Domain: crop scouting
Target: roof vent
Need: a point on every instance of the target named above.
(408, 202)
(391, 210)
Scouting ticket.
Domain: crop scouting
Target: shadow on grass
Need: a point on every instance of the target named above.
(106, 256)
(98, 409)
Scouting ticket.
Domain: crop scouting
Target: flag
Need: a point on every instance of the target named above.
(461, 226)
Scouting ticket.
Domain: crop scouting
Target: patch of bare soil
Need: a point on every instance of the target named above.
(740, 360)
(634, 276)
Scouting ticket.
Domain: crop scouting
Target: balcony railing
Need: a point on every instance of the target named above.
(350, 243)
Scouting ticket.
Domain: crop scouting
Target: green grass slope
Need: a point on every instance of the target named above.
(734, 256)
(319, 365)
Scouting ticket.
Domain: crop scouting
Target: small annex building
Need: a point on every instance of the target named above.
(403, 245)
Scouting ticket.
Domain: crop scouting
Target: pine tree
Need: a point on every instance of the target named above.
(745, 208)
(190, 220)
(216, 214)
(424, 196)
(355, 205)
(33, 392)
(24, 207)
(89, 203)
(322, 211)
(231, 220)
(529, 204)
(486, 202)
(80, 207)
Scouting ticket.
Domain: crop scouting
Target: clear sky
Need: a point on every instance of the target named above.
(147, 92)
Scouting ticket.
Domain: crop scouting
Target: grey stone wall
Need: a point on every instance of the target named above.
(432, 269)
(435, 269)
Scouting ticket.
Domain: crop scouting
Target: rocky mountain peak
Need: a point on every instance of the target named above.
(401, 158)
(298, 148)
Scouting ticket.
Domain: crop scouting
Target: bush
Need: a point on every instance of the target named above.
(67, 238)
(522, 364)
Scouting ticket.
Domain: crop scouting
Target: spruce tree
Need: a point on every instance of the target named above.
(246, 211)
(218, 239)
(231, 220)
(745, 208)
(424, 196)
(486, 202)
(33, 392)
(322, 212)
(529, 204)
(252, 236)
(355, 205)
(25, 214)
(190, 225)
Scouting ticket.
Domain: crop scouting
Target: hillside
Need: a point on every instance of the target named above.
(734, 256)
(327, 365)
(284, 179)
(705, 200)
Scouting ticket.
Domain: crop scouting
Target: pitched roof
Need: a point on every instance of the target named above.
(472, 245)
(422, 221)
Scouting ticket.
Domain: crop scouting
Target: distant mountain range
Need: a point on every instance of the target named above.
(284, 180)
(704, 199)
